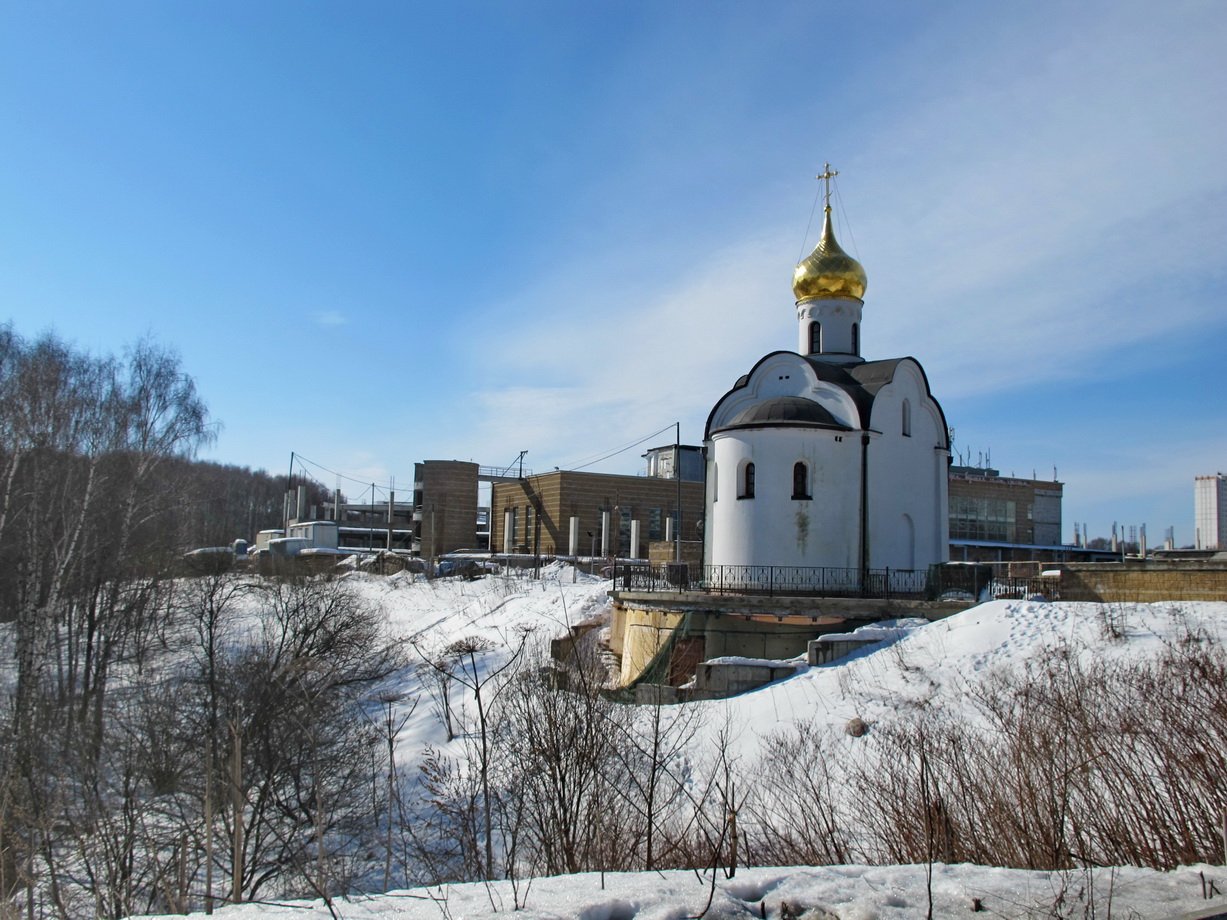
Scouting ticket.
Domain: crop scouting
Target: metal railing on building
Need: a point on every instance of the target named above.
(773, 580)
(939, 582)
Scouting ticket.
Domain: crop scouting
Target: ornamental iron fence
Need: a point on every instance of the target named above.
(939, 582)
(772, 580)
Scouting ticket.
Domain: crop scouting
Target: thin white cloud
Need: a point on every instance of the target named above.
(329, 318)
(1032, 204)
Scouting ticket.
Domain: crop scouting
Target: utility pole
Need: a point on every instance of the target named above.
(208, 821)
(236, 793)
(391, 510)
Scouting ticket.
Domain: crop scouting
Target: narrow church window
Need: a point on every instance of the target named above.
(815, 338)
(715, 482)
(747, 481)
(856, 338)
(800, 481)
(907, 419)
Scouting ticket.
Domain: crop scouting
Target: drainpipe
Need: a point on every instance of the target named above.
(864, 560)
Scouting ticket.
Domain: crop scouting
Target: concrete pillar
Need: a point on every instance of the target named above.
(573, 548)
(605, 516)
(634, 539)
(300, 509)
(669, 528)
(508, 536)
(391, 513)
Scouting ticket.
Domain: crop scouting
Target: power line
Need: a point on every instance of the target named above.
(809, 225)
(619, 450)
(592, 461)
(365, 483)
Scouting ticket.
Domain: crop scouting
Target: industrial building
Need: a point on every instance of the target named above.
(578, 513)
(995, 518)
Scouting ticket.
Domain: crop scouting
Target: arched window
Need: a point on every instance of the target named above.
(715, 482)
(800, 481)
(747, 482)
(815, 338)
(907, 419)
(856, 338)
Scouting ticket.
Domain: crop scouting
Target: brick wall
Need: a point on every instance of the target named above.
(446, 502)
(555, 497)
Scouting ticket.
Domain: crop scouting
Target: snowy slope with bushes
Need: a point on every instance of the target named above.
(1053, 738)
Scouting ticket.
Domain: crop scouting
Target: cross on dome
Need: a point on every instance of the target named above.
(828, 271)
(826, 176)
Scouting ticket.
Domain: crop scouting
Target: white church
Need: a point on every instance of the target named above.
(821, 458)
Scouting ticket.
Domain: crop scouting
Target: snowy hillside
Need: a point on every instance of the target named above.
(933, 665)
(952, 678)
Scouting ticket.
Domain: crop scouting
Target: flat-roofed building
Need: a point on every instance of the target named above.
(1210, 511)
(995, 518)
(581, 513)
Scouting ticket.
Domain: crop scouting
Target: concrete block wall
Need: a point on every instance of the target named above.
(1115, 582)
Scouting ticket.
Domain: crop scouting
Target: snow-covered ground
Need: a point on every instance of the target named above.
(501, 611)
(843, 892)
(913, 665)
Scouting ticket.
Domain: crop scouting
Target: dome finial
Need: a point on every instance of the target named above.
(828, 271)
(826, 176)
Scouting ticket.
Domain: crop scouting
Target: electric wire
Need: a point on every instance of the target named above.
(619, 450)
(809, 225)
(380, 487)
(844, 223)
(365, 483)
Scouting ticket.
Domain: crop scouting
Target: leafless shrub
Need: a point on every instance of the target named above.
(794, 802)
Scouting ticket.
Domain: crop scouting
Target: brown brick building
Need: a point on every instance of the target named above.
(609, 512)
(444, 507)
(995, 517)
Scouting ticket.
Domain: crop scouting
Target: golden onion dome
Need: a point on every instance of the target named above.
(828, 271)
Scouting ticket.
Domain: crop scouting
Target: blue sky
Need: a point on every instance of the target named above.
(384, 232)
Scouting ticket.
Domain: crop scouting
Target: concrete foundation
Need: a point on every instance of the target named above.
(694, 628)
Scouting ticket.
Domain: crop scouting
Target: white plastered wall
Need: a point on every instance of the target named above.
(908, 477)
(772, 528)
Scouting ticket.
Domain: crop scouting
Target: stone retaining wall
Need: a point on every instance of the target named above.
(1143, 582)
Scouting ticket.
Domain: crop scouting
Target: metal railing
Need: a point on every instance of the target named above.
(773, 580)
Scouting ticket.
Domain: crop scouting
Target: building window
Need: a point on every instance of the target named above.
(715, 481)
(992, 519)
(856, 338)
(747, 482)
(654, 519)
(625, 516)
(800, 481)
(815, 338)
(907, 419)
